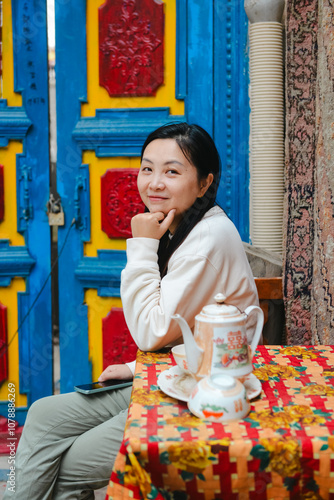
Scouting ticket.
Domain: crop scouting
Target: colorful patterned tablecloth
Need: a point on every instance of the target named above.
(284, 448)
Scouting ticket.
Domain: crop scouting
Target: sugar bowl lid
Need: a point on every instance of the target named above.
(220, 309)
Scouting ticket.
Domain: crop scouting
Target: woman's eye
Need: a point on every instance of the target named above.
(171, 171)
(146, 169)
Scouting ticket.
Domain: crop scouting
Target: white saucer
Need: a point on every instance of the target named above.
(176, 383)
(253, 386)
(179, 385)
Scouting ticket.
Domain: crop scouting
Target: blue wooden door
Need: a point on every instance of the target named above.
(100, 134)
(25, 293)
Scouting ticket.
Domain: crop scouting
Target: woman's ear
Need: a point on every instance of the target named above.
(205, 184)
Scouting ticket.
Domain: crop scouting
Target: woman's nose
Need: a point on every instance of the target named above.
(157, 182)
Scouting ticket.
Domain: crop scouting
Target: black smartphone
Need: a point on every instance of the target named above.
(102, 386)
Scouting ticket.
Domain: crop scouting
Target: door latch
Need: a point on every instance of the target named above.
(81, 202)
(55, 212)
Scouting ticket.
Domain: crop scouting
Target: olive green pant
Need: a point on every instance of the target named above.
(68, 446)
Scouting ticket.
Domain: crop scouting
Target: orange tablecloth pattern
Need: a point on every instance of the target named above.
(284, 449)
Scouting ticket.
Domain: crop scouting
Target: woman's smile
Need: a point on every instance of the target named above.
(156, 198)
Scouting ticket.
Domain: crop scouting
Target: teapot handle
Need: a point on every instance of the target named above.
(259, 325)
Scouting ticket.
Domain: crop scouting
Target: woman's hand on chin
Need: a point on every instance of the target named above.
(151, 225)
(120, 372)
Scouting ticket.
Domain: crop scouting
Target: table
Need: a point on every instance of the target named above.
(283, 449)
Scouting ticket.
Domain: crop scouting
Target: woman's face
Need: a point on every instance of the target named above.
(167, 180)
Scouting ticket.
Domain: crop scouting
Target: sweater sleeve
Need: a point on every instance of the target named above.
(132, 366)
(149, 301)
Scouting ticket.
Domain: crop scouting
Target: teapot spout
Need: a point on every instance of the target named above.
(193, 352)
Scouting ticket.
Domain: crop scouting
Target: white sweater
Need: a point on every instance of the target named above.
(211, 260)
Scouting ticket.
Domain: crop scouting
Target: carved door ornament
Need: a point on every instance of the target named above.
(118, 345)
(131, 34)
(120, 201)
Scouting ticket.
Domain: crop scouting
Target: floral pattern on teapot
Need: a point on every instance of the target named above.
(230, 351)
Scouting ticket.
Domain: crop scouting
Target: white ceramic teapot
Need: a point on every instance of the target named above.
(219, 343)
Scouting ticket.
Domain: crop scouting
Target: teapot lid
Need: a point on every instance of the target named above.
(220, 309)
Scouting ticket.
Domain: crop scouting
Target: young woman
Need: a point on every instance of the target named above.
(183, 251)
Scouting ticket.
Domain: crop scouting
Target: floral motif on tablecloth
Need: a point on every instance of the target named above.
(194, 456)
(135, 475)
(185, 421)
(300, 352)
(153, 358)
(317, 390)
(328, 372)
(147, 397)
(304, 415)
(278, 418)
(282, 457)
(277, 372)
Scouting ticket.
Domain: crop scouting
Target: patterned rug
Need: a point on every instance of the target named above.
(322, 310)
(309, 226)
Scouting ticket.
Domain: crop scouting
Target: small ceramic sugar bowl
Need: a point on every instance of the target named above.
(219, 398)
